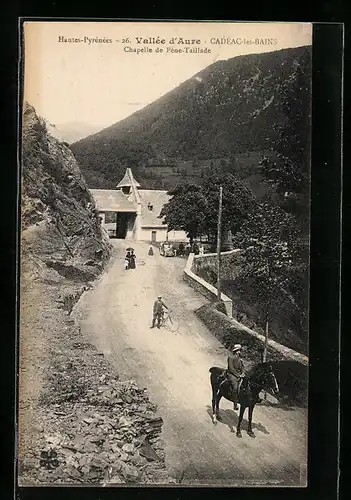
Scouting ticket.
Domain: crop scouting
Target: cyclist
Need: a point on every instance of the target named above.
(158, 310)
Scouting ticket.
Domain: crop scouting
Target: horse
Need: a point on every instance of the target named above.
(259, 377)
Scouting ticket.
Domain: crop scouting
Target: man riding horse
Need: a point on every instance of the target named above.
(235, 373)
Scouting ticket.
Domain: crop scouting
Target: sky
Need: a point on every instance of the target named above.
(101, 83)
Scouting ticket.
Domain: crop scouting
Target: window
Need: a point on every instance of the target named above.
(110, 217)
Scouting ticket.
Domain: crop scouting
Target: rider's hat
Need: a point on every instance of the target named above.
(237, 347)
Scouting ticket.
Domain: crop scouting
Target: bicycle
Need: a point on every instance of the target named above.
(168, 322)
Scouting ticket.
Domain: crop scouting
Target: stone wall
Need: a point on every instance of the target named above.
(288, 324)
(228, 330)
(227, 258)
(203, 286)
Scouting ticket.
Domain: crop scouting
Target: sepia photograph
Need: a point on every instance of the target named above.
(164, 254)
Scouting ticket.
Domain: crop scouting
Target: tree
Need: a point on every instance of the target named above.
(268, 237)
(185, 210)
(195, 208)
(238, 201)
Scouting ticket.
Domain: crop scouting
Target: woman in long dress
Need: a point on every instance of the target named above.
(132, 258)
(127, 261)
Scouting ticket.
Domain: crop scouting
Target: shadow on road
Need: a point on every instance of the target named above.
(230, 418)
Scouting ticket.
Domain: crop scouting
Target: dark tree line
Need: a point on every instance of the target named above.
(194, 208)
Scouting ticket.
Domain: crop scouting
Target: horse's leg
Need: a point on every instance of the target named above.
(215, 407)
(214, 402)
(249, 429)
(218, 398)
(241, 414)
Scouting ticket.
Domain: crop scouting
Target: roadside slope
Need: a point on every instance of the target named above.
(62, 249)
(60, 223)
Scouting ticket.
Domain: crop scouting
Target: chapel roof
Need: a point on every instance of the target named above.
(110, 200)
(128, 180)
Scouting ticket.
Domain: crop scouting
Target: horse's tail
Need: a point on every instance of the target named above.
(216, 370)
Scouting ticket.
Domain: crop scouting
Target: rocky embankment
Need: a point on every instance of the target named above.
(78, 423)
(90, 427)
(60, 223)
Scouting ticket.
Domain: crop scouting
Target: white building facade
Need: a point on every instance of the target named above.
(132, 213)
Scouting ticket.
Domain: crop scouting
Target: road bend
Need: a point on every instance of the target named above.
(116, 315)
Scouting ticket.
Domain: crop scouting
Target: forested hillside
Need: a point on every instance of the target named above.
(252, 103)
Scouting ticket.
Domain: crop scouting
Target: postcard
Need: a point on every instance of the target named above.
(164, 263)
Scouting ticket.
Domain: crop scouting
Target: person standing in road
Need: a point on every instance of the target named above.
(157, 311)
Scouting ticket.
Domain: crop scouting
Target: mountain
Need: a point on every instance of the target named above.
(71, 132)
(238, 108)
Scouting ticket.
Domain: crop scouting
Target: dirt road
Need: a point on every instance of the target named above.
(116, 314)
